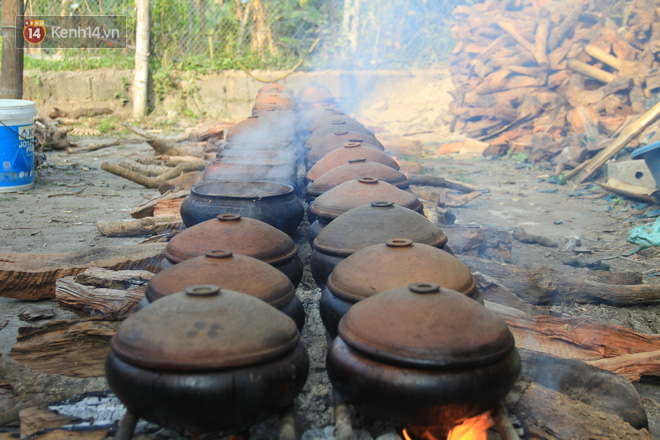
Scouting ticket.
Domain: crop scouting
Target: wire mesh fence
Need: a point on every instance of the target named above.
(270, 34)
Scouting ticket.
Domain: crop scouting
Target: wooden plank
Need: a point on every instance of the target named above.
(32, 276)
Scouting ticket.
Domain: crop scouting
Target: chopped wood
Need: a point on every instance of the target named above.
(590, 71)
(94, 147)
(541, 42)
(29, 276)
(153, 182)
(603, 56)
(49, 136)
(69, 348)
(635, 366)
(114, 304)
(170, 208)
(147, 208)
(587, 169)
(39, 419)
(457, 201)
(184, 181)
(167, 146)
(147, 170)
(140, 227)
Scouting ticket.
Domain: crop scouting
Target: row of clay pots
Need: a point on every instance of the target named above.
(412, 343)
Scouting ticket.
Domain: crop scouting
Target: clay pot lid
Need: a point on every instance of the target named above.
(245, 125)
(398, 262)
(221, 267)
(272, 87)
(241, 235)
(374, 224)
(349, 151)
(424, 325)
(353, 170)
(362, 191)
(337, 135)
(205, 328)
(314, 95)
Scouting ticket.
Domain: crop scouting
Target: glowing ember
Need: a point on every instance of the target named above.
(471, 429)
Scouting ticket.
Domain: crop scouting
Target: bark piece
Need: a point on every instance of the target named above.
(36, 313)
(522, 236)
(39, 419)
(69, 348)
(32, 276)
(481, 241)
(182, 182)
(153, 182)
(24, 388)
(147, 208)
(550, 415)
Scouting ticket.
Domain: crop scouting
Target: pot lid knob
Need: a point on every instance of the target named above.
(368, 180)
(352, 144)
(228, 217)
(423, 288)
(219, 253)
(382, 204)
(341, 132)
(360, 160)
(399, 242)
(356, 140)
(338, 122)
(202, 290)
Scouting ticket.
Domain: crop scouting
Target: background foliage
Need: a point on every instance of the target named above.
(203, 35)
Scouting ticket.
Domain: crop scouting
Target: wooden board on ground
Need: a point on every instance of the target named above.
(32, 276)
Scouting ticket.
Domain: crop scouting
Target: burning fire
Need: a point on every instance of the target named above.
(470, 429)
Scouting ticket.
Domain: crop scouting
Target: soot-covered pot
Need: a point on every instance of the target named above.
(368, 225)
(348, 195)
(350, 151)
(422, 355)
(240, 235)
(206, 359)
(234, 272)
(395, 263)
(251, 168)
(270, 202)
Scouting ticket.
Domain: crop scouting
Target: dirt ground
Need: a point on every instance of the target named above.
(56, 216)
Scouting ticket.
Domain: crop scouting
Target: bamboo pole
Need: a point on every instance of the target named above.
(603, 56)
(11, 72)
(140, 91)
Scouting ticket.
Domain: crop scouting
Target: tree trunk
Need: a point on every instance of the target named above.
(351, 22)
(11, 72)
(140, 95)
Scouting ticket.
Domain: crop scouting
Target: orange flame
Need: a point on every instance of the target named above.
(405, 173)
(470, 429)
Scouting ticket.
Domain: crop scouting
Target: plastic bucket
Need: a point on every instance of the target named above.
(651, 155)
(16, 144)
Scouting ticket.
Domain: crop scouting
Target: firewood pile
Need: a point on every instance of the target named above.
(555, 79)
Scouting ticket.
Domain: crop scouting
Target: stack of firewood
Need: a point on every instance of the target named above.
(554, 76)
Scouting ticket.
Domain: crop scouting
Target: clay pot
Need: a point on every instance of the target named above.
(354, 170)
(309, 116)
(348, 195)
(369, 225)
(314, 95)
(271, 127)
(395, 263)
(240, 235)
(244, 169)
(273, 203)
(272, 87)
(319, 151)
(339, 136)
(235, 272)
(422, 355)
(199, 375)
(350, 151)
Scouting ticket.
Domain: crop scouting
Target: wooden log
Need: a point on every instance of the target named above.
(24, 388)
(543, 285)
(140, 227)
(479, 241)
(146, 170)
(426, 180)
(558, 34)
(69, 348)
(32, 276)
(170, 207)
(184, 181)
(580, 338)
(153, 182)
(79, 112)
(167, 146)
(587, 169)
(510, 29)
(40, 419)
(551, 415)
(590, 71)
(635, 367)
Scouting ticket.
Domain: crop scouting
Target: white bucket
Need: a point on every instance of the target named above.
(16, 144)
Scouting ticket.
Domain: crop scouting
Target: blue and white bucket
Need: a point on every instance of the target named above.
(16, 144)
